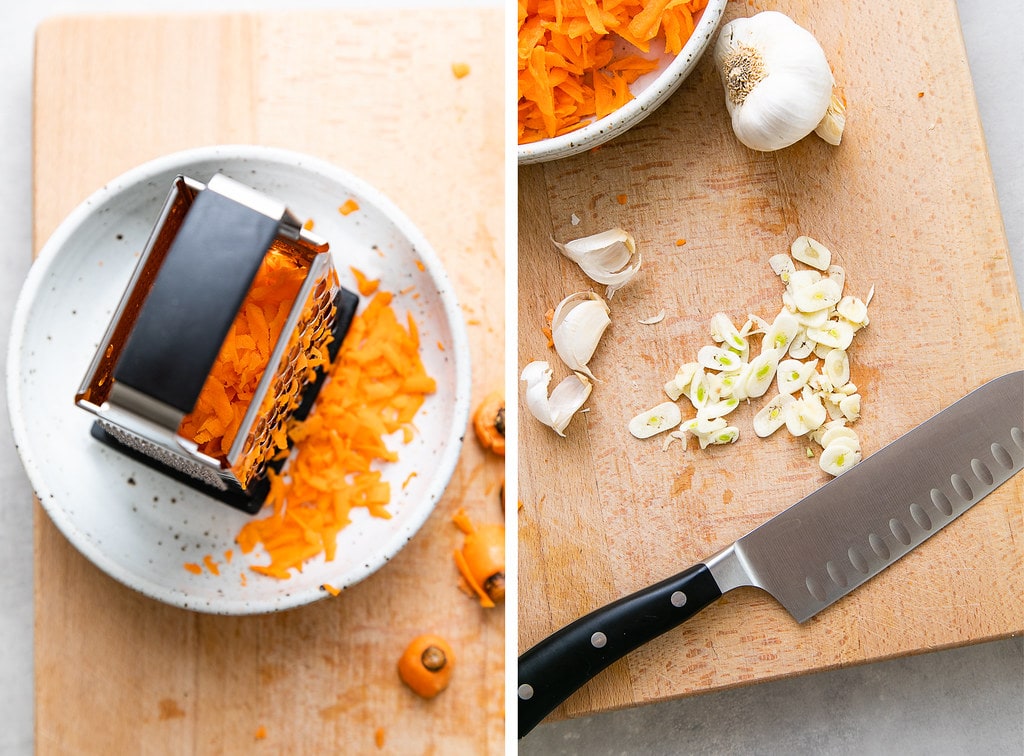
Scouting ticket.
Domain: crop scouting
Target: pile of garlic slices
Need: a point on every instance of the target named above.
(803, 352)
(578, 322)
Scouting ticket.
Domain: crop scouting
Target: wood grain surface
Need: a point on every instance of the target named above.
(119, 673)
(906, 204)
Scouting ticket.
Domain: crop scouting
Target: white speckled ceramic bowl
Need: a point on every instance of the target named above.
(649, 91)
(140, 526)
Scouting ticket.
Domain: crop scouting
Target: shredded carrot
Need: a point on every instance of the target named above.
(366, 286)
(348, 206)
(194, 568)
(680, 242)
(211, 565)
(420, 265)
(408, 479)
(261, 732)
(460, 70)
(228, 553)
(440, 345)
(569, 72)
(378, 737)
(244, 356)
(375, 388)
(308, 225)
(331, 589)
(622, 199)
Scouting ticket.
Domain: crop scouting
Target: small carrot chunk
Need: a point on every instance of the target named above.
(461, 70)
(348, 207)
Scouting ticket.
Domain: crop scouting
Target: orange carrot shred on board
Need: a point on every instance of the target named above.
(261, 732)
(569, 71)
(378, 737)
(348, 207)
(375, 388)
(460, 70)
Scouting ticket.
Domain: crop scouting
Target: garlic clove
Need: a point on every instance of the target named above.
(576, 328)
(718, 358)
(820, 295)
(837, 367)
(782, 332)
(720, 408)
(838, 457)
(556, 410)
(609, 257)
(853, 309)
(680, 384)
(811, 252)
(663, 417)
(804, 415)
(761, 372)
(778, 84)
(772, 416)
(723, 331)
(793, 375)
(782, 266)
(836, 333)
(699, 391)
(831, 127)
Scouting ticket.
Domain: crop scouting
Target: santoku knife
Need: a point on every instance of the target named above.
(813, 553)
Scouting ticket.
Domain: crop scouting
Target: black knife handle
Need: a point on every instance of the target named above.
(560, 664)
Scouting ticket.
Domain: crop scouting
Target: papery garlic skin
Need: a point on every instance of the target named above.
(609, 257)
(556, 410)
(778, 84)
(576, 328)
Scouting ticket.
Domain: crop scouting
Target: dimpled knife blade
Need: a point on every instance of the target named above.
(813, 553)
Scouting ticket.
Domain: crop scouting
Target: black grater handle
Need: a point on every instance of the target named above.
(194, 299)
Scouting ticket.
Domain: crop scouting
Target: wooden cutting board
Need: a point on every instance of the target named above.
(373, 93)
(906, 204)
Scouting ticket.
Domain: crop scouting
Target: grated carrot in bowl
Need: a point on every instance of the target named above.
(570, 72)
(375, 388)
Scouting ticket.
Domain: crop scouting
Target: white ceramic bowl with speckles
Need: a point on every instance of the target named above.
(649, 92)
(140, 526)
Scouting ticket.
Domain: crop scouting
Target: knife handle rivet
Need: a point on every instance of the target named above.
(525, 691)
(678, 599)
(598, 640)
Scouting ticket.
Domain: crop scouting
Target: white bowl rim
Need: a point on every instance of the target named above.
(139, 175)
(612, 125)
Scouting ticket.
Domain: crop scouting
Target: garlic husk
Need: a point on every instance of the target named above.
(831, 127)
(778, 84)
(576, 328)
(556, 410)
(609, 257)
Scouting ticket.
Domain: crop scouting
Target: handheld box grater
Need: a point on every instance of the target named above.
(225, 332)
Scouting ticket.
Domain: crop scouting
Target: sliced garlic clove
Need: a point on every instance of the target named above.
(811, 252)
(838, 457)
(782, 266)
(772, 416)
(850, 407)
(723, 331)
(802, 345)
(837, 274)
(837, 367)
(754, 324)
(840, 431)
(819, 295)
(717, 358)
(699, 391)
(782, 332)
(720, 408)
(793, 375)
(680, 384)
(659, 419)
(831, 127)
(761, 372)
(576, 328)
(727, 435)
(812, 319)
(804, 415)
(837, 334)
(556, 410)
(802, 278)
(609, 257)
(853, 309)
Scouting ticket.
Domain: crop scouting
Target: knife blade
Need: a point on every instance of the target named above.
(813, 553)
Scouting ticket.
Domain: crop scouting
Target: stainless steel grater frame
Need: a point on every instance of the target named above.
(167, 331)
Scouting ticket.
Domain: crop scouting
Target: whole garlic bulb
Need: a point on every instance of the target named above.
(778, 84)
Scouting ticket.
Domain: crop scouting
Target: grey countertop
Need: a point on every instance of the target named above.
(967, 700)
